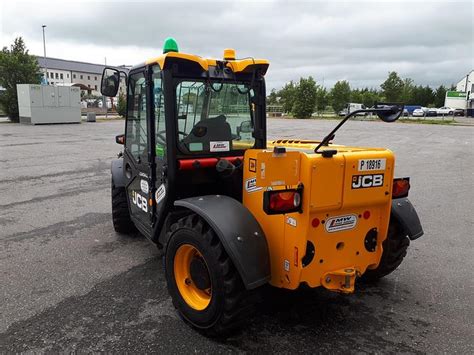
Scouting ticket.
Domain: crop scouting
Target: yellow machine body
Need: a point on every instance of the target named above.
(325, 243)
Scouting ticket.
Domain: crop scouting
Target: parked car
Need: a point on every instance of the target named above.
(459, 112)
(343, 112)
(351, 107)
(445, 111)
(406, 113)
(419, 112)
(431, 112)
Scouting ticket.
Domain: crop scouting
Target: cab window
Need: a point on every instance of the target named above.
(214, 117)
(159, 108)
(136, 133)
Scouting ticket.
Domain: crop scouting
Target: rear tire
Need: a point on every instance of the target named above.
(120, 213)
(394, 250)
(227, 304)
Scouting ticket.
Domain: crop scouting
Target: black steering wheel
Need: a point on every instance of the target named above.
(161, 138)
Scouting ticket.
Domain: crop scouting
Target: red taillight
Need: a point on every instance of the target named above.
(283, 201)
(400, 187)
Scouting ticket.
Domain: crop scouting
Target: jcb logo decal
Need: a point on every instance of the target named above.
(364, 181)
(140, 201)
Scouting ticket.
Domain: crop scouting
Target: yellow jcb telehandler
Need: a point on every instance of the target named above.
(233, 212)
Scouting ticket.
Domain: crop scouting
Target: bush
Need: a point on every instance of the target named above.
(122, 105)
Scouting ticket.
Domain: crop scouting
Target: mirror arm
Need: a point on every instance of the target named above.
(331, 135)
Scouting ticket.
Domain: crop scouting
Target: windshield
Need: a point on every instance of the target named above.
(214, 117)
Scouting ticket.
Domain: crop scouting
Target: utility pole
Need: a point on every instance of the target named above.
(45, 66)
(105, 99)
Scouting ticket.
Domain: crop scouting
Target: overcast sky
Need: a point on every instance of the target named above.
(431, 42)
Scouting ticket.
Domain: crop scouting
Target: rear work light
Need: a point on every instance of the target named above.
(282, 201)
(401, 187)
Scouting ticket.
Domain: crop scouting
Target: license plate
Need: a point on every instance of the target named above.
(371, 164)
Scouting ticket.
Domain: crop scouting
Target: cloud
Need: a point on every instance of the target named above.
(431, 42)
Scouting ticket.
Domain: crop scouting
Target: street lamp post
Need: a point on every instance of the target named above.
(45, 67)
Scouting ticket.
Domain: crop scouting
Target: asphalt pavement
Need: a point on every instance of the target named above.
(69, 283)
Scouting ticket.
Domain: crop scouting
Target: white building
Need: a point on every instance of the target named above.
(466, 84)
(87, 76)
(463, 97)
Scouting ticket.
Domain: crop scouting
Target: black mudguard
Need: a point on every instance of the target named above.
(117, 172)
(404, 212)
(240, 234)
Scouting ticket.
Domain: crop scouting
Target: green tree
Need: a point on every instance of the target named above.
(340, 95)
(122, 105)
(287, 96)
(356, 95)
(439, 96)
(16, 67)
(272, 99)
(322, 98)
(305, 98)
(407, 91)
(369, 97)
(427, 96)
(392, 87)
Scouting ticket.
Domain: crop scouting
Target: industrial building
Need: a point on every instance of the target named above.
(463, 97)
(86, 76)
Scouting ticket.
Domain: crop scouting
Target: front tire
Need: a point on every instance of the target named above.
(394, 250)
(120, 214)
(203, 283)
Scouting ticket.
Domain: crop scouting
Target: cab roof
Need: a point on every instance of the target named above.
(236, 65)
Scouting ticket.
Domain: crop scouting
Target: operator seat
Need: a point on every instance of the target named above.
(215, 129)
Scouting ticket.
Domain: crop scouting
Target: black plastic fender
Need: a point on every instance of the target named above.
(240, 233)
(117, 172)
(404, 212)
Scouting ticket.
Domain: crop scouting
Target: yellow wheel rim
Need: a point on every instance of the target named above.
(195, 297)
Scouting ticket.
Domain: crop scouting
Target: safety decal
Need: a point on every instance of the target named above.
(341, 223)
(365, 181)
(286, 265)
(160, 193)
(371, 164)
(262, 171)
(253, 165)
(222, 146)
(144, 186)
(251, 185)
(291, 221)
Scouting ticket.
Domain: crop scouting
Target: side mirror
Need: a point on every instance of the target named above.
(120, 139)
(110, 82)
(389, 112)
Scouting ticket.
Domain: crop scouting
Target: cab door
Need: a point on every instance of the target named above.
(136, 159)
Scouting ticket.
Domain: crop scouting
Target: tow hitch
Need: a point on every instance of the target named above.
(341, 280)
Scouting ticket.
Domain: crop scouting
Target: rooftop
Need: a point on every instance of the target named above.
(73, 65)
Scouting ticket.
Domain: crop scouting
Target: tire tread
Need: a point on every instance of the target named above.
(120, 214)
(239, 303)
(394, 251)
